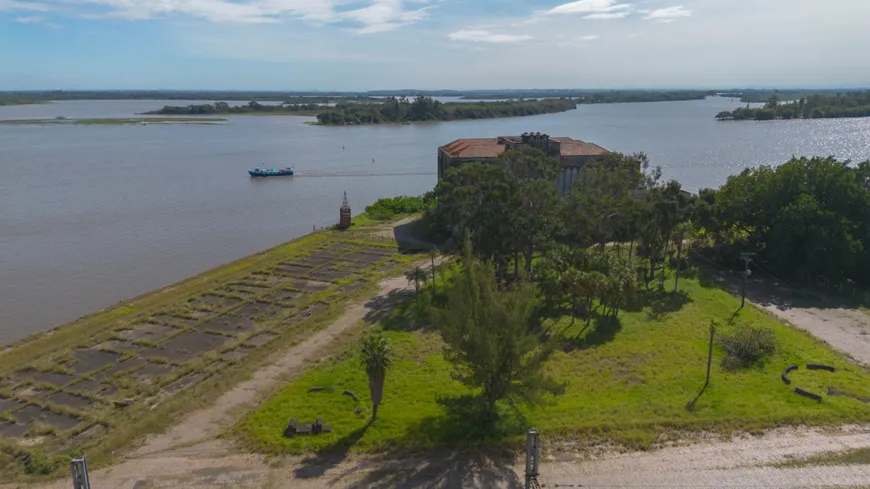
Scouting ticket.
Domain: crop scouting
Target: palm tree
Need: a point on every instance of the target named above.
(417, 275)
(376, 359)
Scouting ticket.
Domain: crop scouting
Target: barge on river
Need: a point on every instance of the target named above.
(270, 172)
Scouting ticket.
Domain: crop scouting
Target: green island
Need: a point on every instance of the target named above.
(112, 121)
(610, 318)
(760, 96)
(603, 97)
(423, 109)
(390, 110)
(815, 106)
(251, 108)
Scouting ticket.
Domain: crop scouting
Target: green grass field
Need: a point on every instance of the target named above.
(628, 381)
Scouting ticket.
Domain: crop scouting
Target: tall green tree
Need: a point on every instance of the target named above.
(492, 336)
(534, 219)
(417, 276)
(376, 359)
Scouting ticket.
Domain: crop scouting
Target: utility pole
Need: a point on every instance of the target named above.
(80, 473)
(533, 454)
(747, 258)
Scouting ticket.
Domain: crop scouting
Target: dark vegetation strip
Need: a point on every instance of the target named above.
(815, 106)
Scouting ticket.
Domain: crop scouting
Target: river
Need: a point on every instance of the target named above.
(92, 215)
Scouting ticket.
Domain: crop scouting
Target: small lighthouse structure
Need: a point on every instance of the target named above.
(344, 214)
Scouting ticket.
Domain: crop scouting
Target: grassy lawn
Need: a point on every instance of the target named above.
(628, 381)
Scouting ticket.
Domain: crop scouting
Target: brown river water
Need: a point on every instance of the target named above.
(92, 215)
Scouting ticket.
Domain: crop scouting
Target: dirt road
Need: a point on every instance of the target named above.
(742, 462)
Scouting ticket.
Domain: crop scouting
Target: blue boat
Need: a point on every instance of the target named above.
(270, 172)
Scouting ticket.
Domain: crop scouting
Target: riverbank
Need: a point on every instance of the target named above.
(94, 385)
(112, 121)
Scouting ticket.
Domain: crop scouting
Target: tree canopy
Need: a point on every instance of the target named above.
(809, 216)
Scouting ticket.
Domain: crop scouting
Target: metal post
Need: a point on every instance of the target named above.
(80, 473)
(533, 454)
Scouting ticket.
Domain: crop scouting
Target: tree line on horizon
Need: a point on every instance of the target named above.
(602, 97)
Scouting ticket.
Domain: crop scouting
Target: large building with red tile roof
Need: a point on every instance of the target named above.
(573, 153)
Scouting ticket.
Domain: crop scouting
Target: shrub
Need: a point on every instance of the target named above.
(384, 209)
(37, 463)
(746, 345)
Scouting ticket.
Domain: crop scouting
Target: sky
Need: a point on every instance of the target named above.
(432, 44)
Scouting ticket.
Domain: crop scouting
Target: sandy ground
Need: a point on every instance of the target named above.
(843, 327)
(190, 456)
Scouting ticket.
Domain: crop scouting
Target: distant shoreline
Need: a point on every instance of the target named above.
(111, 121)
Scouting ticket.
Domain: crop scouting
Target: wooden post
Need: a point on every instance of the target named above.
(710, 353)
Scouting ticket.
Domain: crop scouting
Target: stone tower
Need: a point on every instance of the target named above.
(344, 214)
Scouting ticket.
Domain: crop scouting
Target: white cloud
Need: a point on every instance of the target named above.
(569, 41)
(36, 20)
(588, 7)
(16, 5)
(668, 14)
(384, 15)
(608, 15)
(481, 35)
(372, 15)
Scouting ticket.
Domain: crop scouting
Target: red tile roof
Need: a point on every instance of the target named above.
(474, 148)
(490, 148)
(580, 148)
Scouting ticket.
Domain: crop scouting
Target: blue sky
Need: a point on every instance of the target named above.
(431, 44)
